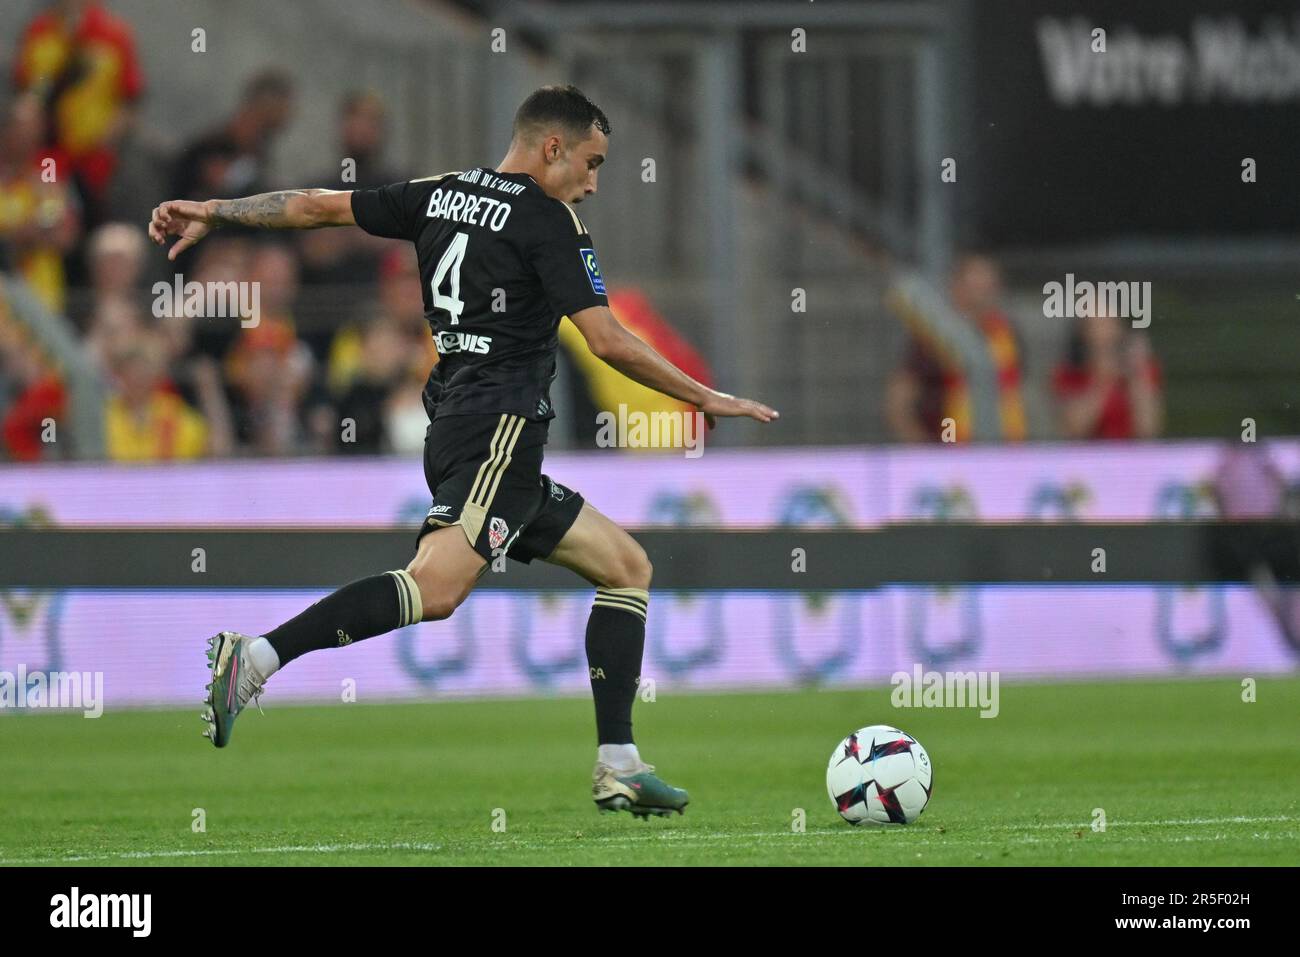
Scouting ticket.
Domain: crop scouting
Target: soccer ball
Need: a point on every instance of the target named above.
(879, 775)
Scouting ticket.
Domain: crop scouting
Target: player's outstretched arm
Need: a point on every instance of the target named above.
(284, 209)
(609, 341)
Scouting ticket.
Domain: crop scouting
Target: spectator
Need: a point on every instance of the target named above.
(230, 260)
(232, 159)
(383, 366)
(405, 419)
(1108, 385)
(38, 218)
(80, 62)
(270, 374)
(402, 302)
(116, 254)
(196, 378)
(348, 259)
(31, 392)
(144, 420)
(113, 327)
(363, 135)
(934, 382)
(274, 269)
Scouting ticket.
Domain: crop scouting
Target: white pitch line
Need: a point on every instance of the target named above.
(286, 849)
(1066, 826)
(1186, 822)
(787, 840)
(683, 836)
(616, 843)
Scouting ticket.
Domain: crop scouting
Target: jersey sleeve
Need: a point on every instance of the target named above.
(564, 257)
(395, 211)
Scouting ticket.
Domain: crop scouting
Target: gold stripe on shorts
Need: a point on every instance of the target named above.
(484, 489)
(490, 472)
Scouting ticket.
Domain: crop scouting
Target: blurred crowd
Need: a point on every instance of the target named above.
(337, 359)
(1107, 383)
(183, 387)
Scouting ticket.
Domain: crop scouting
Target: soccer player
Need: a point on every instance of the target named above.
(503, 257)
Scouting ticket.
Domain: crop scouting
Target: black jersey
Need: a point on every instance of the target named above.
(501, 262)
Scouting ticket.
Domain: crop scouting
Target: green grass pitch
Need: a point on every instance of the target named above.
(1186, 772)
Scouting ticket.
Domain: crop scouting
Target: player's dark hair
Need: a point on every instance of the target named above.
(564, 107)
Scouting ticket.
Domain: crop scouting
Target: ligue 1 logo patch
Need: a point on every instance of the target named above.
(593, 270)
(497, 531)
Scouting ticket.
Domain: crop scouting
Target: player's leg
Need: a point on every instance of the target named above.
(452, 551)
(430, 588)
(609, 558)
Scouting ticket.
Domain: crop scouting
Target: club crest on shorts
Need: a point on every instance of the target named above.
(497, 532)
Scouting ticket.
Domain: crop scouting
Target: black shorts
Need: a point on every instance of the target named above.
(485, 475)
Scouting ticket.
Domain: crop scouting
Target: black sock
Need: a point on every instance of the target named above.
(362, 609)
(615, 644)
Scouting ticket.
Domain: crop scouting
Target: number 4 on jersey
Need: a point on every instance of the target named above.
(450, 262)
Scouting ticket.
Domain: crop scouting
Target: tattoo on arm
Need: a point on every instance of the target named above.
(267, 210)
